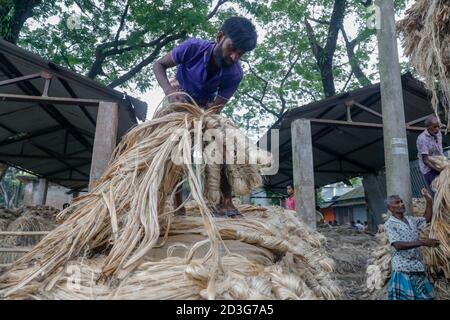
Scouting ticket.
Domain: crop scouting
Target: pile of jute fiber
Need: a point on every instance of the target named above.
(122, 240)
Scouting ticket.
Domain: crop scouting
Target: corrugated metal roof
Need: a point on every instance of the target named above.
(342, 152)
(356, 193)
(51, 140)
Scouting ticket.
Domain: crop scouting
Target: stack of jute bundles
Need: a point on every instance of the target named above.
(122, 240)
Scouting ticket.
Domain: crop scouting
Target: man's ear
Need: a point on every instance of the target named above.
(219, 36)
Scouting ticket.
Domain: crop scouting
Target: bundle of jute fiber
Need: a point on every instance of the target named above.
(120, 217)
(267, 254)
(379, 265)
(26, 222)
(439, 257)
(425, 32)
(7, 216)
(4, 223)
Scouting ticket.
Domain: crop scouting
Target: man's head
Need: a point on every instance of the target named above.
(359, 221)
(236, 36)
(395, 204)
(290, 189)
(433, 124)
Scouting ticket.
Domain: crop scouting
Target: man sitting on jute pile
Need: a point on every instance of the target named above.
(209, 71)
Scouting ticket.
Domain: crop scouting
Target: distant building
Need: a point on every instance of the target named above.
(350, 206)
(334, 190)
(52, 194)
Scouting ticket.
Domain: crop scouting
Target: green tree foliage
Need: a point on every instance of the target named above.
(11, 191)
(304, 54)
(307, 55)
(117, 41)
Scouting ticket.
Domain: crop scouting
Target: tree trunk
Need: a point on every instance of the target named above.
(325, 55)
(326, 71)
(14, 16)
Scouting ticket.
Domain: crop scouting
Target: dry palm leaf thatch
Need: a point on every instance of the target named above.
(114, 228)
(425, 32)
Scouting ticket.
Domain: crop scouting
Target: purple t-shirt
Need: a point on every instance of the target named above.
(192, 57)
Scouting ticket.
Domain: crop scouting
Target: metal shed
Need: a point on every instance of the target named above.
(347, 135)
(49, 115)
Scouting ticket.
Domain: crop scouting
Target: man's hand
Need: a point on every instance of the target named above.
(176, 97)
(426, 194)
(432, 243)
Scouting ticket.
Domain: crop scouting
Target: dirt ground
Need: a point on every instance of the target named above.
(350, 249)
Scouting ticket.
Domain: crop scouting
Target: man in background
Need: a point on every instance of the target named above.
(429, 143)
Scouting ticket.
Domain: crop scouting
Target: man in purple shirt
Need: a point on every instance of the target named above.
(429, 143)
(209, 71)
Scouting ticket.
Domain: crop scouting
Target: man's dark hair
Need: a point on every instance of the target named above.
(241, 31)
(290, 185)
(430, 119)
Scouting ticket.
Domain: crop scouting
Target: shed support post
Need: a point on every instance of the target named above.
(303, 171)
(105, 139)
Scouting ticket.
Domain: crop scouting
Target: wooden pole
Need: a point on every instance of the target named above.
(303, 170)
(105, 138)
(24, 233)
(15, 249)
(40, 192)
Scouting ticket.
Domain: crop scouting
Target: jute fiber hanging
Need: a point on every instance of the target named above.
(425, 32)
(122, 240)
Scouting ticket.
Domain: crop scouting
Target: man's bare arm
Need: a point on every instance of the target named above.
(159, 69)
(403, 245)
